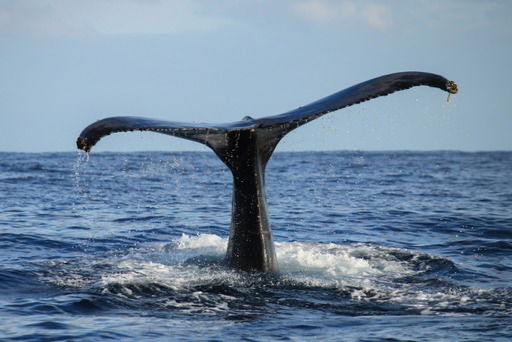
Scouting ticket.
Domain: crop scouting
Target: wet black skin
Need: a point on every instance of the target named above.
(246, 146)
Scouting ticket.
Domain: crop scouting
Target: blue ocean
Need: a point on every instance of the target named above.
(371, 246)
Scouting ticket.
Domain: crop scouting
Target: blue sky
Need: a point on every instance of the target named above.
(66, 63)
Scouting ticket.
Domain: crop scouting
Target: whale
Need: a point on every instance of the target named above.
(246, 146)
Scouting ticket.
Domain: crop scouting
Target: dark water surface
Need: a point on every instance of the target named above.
(371, 246)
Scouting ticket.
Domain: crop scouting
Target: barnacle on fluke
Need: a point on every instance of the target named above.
(81, 143)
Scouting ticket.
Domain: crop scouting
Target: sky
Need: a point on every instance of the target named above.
(67, 63)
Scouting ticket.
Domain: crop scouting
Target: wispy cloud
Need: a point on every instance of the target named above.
(407, 15)
(77, 17)
(325, 12)
(70, 18)
(460, 15)
(377, 16)
(328, 12)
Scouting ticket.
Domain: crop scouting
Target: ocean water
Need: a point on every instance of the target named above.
(372, 246)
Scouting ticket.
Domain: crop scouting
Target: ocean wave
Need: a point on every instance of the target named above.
(189, 274)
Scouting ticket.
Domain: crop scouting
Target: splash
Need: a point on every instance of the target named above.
(191, 260)
(189, 274)
(76, 174)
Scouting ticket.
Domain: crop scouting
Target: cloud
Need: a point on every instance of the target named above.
(408, 16)
(377, 16)
(70, 18)
(461, 15)
(102, 17)
(329, 12)
(324, 12)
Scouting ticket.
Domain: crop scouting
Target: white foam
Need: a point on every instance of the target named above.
(367, 272)
(333, 260)
(210, 242)
(178, 264)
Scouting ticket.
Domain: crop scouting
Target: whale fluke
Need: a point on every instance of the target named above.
(245, 146)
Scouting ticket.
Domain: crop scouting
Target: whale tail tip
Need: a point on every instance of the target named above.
(451, 87)
(81, 143)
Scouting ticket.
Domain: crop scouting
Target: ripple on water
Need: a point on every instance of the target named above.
(188, 275)
(86, 254)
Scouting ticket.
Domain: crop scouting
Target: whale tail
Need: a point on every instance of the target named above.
(224, 138)
(246, 146)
